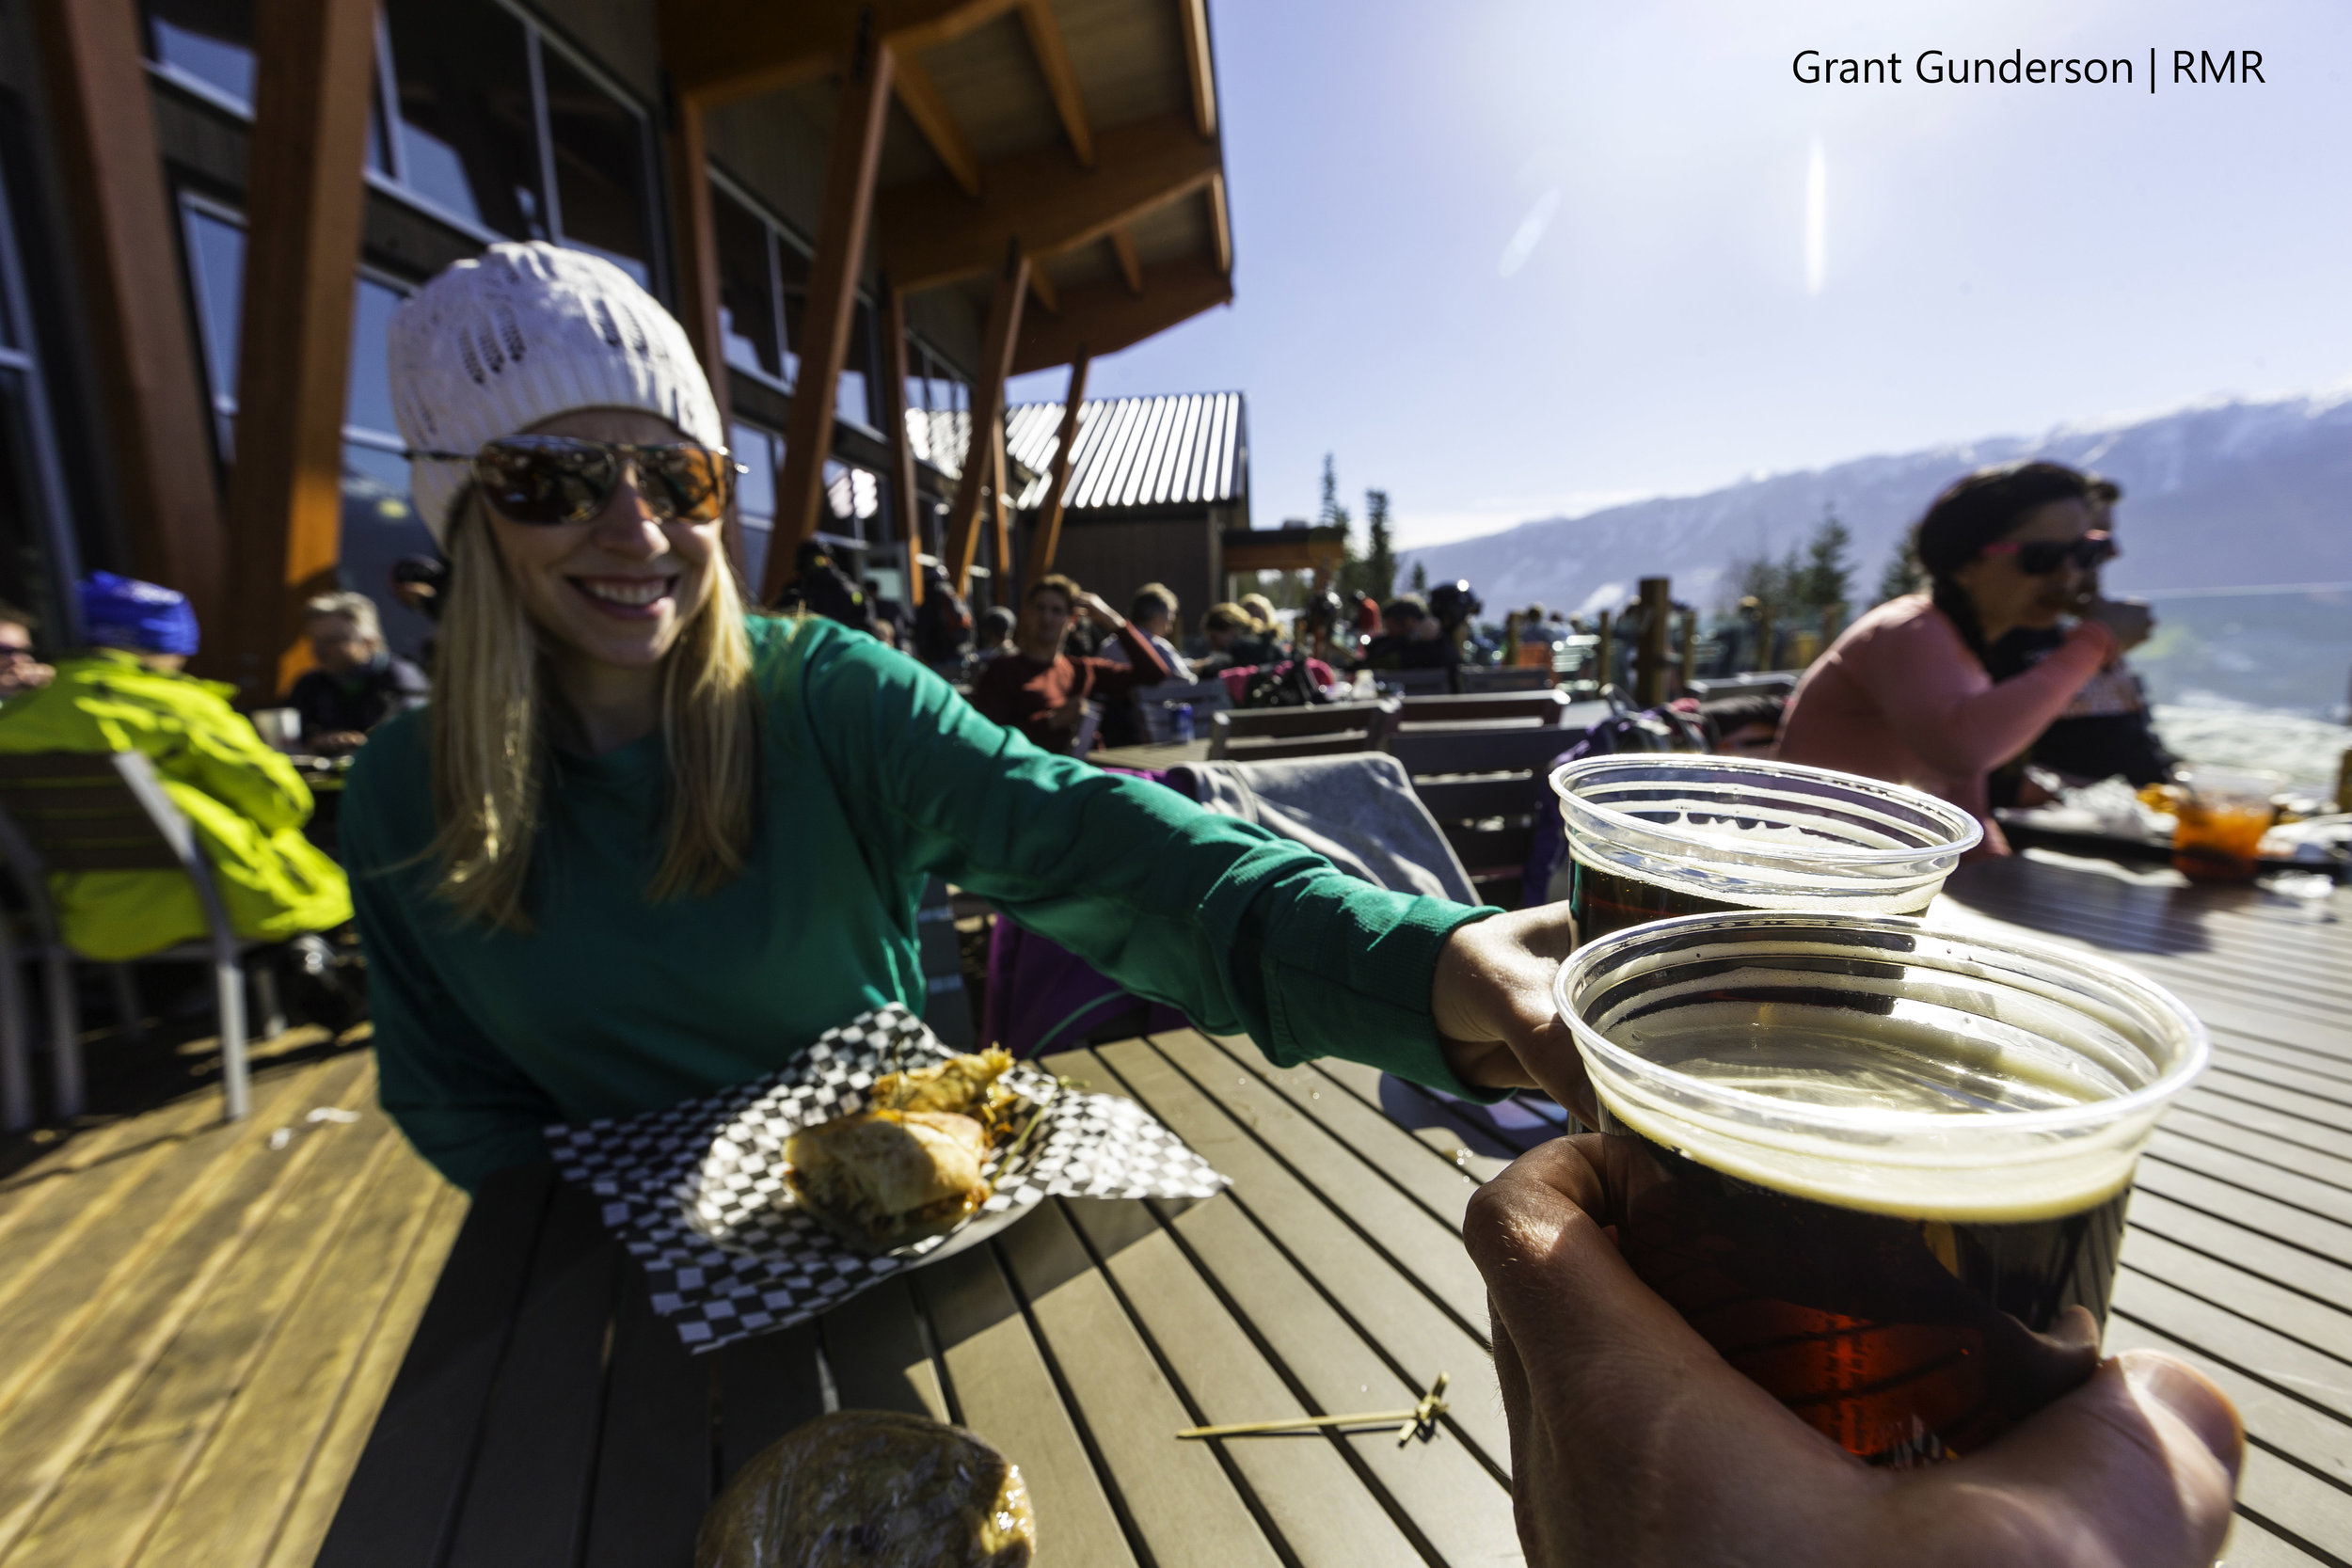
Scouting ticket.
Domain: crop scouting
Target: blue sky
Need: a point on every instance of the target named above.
(1507, 259)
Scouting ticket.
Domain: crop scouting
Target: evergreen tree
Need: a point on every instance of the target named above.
(1332, 514)
(1904, 574)
(1380, 556)
(1824, 579)
(1421, 578)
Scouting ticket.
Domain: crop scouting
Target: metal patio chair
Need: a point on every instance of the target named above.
(69, 811)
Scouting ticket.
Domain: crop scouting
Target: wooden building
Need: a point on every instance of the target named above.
(867, 214)
(1155, 486)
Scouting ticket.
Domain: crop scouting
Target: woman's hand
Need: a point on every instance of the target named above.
(1633, 1444)
(1492, 1001)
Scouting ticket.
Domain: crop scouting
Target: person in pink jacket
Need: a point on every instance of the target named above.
(1903, 695)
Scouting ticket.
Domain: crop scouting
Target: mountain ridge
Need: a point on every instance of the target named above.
(2222, 490)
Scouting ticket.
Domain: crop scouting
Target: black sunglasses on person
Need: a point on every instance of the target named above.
(2038, 558)
(547, 480)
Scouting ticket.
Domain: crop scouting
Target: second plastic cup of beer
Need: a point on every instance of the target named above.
(1876, 1165)
(1651, 836)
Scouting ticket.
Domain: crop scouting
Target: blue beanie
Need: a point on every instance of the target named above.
(123, 612)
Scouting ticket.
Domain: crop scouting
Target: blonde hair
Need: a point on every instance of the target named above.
(490, 712)
(355, 607)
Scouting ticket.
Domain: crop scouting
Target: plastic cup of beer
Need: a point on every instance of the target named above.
(1875, 1164)
(2221, 823)
(1655, 836)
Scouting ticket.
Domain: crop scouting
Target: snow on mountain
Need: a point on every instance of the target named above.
(2217, 494)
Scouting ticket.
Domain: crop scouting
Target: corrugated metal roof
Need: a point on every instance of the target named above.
(1192, 447)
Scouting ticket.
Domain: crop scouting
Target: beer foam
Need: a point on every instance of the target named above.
(1930, 1078)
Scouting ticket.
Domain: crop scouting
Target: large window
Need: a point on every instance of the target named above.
(379, 526)
(39, 560)
(763, 291)
(478, 117)
(761, 452)
(939, 410)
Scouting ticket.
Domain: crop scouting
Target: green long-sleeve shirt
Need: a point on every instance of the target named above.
(875, 775)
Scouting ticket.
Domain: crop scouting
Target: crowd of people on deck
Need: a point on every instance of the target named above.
(629, 842)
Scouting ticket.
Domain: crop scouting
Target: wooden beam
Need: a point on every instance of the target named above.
(151, 383)
(1043, 288)
(1000, 502)
(988, 412)
(1130, 268)
(1221, 224)
(931, 232)
(720, 50)
(1053, 59)
(894, 407)
(695, 224)
(920, 95)
(830, 314)
(1049, 516)
(1199, 67)
(313, 68)
(1103, 318)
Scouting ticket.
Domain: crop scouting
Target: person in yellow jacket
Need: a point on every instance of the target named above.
(248, 803)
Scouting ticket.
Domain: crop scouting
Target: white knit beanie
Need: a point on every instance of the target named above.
(522, 333)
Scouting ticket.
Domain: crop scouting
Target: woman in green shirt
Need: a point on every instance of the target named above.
(642, 845)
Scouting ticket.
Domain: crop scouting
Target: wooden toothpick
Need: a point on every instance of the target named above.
(1420, 1420)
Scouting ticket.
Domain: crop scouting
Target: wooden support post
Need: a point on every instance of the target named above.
(1000, 482)
(988, 412)
(1650, 654)
(1049, 516)
(150, 384)
(1605, 651)
(894, 405)
(695, 224)
(313, 77)
(1765, 638)
(1688, 625)
(860, 114)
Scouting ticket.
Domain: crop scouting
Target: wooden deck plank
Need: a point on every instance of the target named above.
(2223, 1081)
(2250, 1546)
(402, 1502)
(1433, 1124)
(114, 1336)
(2328, 1066)
(2264, 1182)
(874, 1346)
(103, 1509)
(231, 1507)
(2321, 1327)
(368, 1380)
(2218, 1237)
(541, 1427)
(1176, 1494)
(1002, 1389)
(2268, 1147)
(655, 1448)
(2232, 1336)
(1321, 1510)
(1299, 1244)
(767, 1385)
(1421, 1248)
(2314, 1507)
(62, 1273)
(1438, 1183)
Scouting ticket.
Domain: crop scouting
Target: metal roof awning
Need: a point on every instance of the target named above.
(1187, 449)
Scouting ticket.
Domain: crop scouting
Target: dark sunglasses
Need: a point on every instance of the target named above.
(2040, 557)
(546, 480)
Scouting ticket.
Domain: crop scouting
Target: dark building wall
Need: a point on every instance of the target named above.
(1116, 557)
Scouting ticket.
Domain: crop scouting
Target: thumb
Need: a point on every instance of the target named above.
(2136, 1467)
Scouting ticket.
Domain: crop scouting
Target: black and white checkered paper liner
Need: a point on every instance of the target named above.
(696, 1192)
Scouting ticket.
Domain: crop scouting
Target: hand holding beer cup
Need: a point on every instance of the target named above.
(1635, 1444)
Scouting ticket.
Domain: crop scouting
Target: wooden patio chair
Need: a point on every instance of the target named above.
(1322, 730)
(1415, 683)
(1484, 786)
(1207, 698)
(1474, 681)
(70, 812)
(1545, 708)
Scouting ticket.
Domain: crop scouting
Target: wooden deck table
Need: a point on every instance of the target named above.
(544, 1416)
